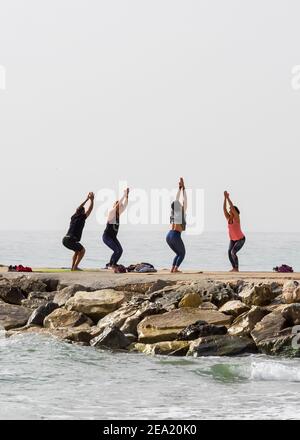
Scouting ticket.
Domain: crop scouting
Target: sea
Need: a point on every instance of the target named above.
(208, 251)
(42, 378)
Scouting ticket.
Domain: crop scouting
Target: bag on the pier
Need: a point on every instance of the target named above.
(120, 269)
(283, 269)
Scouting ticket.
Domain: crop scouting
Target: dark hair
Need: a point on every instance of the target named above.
(237, 210)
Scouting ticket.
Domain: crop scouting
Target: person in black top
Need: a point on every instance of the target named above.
(112, 228)
(72, 239)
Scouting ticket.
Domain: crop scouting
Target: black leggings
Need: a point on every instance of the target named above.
(114, 244)
(234, 248)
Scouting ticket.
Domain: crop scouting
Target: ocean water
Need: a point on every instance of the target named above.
(208, 251)
(42, 378)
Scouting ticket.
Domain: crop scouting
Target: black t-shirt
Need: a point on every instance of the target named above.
(76, 226)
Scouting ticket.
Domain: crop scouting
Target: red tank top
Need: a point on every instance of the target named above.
(235, 231)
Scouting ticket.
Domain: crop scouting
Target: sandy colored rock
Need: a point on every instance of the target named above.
(96, 304)
(258, 295)
(166, 327)
(291, 292)
(79, 334)
(166, 348)
(234, 308)
(191, 300)
(65, 318)
(245, 323)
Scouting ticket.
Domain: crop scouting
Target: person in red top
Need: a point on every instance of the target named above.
(237, 238)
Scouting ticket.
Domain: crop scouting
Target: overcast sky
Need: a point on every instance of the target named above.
(99, 91)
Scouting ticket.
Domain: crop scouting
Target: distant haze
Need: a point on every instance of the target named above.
(147, 91)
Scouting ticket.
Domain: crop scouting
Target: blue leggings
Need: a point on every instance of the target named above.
(114, 244)
(234, 247)
(175, 242)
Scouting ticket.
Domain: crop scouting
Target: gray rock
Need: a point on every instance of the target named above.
(62, 296)
(221, 346)
(111, 338)
(268, 327)
(12, 316)
(37, 299)
(37, 317)
(291, 314)
(10, 294)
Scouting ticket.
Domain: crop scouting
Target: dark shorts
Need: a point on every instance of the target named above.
(72, 244)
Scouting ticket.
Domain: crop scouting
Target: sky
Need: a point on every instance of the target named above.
(98, 92)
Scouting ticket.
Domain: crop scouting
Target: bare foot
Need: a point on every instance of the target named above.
(77, 269)
(234, 270)
(177, 271)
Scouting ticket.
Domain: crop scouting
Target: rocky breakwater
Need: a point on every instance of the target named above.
(205, 318)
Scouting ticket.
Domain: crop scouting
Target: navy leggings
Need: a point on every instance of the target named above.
(114, 244)
(175, 242)
(234, 248)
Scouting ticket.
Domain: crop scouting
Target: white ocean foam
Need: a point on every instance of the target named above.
(274, 371)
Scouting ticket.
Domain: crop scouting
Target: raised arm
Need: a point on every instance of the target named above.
(182, 190)
(91, 197)
(124, 201)
(226, 213)
(232, 207)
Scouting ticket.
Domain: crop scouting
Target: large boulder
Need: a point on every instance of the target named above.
(291, 314)
(65, 318)
(12, 316)
(10, 294)
(96, 304)
(166, 348)
(37, 317)
(259, 294)
(268, 327)
(245, 323)
(221, 346)
(167, 326)
(111, 338)
(200, 329)
(234, 308)
(291, 292)
(63, 295)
